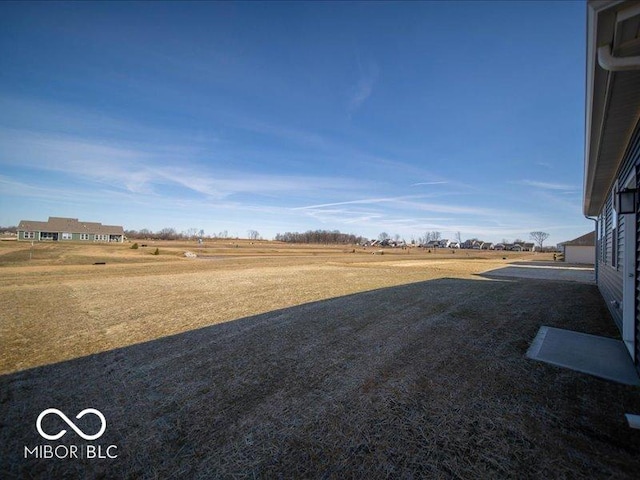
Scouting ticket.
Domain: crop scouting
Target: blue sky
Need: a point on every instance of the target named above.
(358, 117)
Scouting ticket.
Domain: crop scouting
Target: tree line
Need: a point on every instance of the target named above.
(333, 237)
(189, 234)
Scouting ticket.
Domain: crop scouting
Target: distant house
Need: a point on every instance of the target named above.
(581, 249)
(473, 243)
(486, 246)
(59, 229)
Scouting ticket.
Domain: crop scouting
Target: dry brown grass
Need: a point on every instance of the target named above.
(91, 308)
(307, 363)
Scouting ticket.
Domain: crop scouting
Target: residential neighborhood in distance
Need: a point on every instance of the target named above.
(471, 244)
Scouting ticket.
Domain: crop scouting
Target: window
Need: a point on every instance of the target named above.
(599, 239)
(84, 236)
(29, 235)
(66, 236)
(47, 236)
(614, 236)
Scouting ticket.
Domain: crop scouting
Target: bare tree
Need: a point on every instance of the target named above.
(383, 236)
(459, 238)
(539, 237)
(167, 233)
(253, 235)
(190, 233)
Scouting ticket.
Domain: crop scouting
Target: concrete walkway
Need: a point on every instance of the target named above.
(545, 271)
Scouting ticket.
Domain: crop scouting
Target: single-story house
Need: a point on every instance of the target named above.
(610, 197)
(60, 229)
(581, 249)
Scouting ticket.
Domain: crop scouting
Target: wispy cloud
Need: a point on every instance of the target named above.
(363, 201)
(368, 74)
(428, 183)
(147, 168)
(547, 185)
(544, 164)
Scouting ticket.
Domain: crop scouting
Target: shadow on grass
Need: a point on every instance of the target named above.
(422, 380)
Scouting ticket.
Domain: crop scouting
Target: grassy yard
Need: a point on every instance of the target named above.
(268, 361)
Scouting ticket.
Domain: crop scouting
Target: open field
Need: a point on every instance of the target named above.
(268, 360)
(136, 297)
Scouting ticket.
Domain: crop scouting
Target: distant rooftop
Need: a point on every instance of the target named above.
(586, 240)
(70, 225)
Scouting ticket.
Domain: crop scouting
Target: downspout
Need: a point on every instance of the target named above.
(616, 64)
(595, 265)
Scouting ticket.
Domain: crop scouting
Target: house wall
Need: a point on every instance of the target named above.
(580, 254)
(610, 246)
(634, 155)
(22, 236)
(75, 237)
(631, 166)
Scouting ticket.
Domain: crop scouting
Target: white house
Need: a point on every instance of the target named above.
(581, 249)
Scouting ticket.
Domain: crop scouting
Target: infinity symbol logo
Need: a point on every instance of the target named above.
(71, 424)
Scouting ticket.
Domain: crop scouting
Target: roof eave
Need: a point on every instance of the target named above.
(607, 108)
